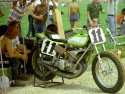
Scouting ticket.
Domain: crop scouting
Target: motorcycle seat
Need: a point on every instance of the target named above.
(50, 36)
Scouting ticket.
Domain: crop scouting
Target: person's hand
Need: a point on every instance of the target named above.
(91, 23)
(27, 51)
(24, 57)
(105, 1)
(40, 17)
(103, 11)
(22, 12)
(95, 22)
(18, 21)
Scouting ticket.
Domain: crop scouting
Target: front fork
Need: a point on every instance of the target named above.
(98, 55)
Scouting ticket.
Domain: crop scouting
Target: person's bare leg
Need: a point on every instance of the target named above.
(72, 24)
(75, 24)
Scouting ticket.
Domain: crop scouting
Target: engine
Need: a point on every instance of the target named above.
(66, 60)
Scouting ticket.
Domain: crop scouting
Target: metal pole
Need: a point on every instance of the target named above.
(48, 12)
(24, 66)
(115, 14)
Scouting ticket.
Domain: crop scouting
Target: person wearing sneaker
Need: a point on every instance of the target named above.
(9, 54)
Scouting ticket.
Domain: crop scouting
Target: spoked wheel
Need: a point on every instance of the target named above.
(109, 75)
(40, 72)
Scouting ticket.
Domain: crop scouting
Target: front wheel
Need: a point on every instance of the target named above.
(108, 75)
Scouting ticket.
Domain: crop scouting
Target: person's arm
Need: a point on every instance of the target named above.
(40, 17)
(69, 11)
(11, 53)
(101, 8)
(37, 17)
(28, 4)
(55, 4)
(89, 18)
(31, 7)
(79, 11)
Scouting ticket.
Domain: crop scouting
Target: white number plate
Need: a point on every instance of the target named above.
(97, 35)
(48, 47)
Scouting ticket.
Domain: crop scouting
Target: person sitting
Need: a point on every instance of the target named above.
(10, 54)
(120, 19)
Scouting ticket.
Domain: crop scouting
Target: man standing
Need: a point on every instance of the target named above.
(93, 12)
(74, 14)
(111, 15)
(52, 5)
(17, 10)
(40, 15)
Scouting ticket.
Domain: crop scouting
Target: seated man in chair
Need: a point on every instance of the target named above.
(9, 54)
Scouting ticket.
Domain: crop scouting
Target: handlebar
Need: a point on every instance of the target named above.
(87, 27)
(74, 29)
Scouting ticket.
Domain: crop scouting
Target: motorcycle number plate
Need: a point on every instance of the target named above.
(97, 35)
(48, 47)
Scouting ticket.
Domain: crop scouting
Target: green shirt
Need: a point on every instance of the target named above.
(94, 10)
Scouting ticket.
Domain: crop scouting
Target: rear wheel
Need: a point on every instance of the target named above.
(40, 72)
(111, 78)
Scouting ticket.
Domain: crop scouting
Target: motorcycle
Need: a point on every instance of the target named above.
(68, 58)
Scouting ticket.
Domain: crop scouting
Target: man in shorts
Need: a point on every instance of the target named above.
(74, 14)
(93, 12)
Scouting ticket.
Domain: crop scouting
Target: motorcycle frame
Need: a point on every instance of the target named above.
(85, 51)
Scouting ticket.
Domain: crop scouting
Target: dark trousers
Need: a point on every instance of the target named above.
(14, 64)
(31, 26)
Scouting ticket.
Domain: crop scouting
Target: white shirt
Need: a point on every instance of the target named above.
(37, 2)
(50, 3)
(111, 8)
(15, 42)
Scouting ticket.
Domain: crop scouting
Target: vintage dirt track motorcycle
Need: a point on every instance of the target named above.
(68, 58)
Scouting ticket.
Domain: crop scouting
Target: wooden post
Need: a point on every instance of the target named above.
(58, 21)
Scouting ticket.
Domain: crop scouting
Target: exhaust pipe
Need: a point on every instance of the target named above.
(62, 73)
